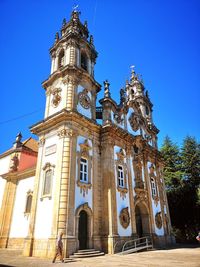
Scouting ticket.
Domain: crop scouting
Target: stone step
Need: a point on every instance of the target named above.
(87, 255)
(86, 250)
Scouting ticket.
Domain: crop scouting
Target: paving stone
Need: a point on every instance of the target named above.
(177, 257)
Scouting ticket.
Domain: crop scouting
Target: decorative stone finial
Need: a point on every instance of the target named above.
(85, 24)
(57, 37)
(106, 89)
(64, 23)
(75, 13)
(18, 139)
(91, 39)
(122, 96)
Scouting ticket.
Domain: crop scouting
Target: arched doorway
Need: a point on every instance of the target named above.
(83, 230)
(142, 220)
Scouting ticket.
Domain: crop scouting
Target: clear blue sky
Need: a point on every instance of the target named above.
(161, 38)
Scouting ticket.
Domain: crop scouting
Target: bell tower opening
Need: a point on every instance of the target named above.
(84, 60)
(83, 230)
(61, 59)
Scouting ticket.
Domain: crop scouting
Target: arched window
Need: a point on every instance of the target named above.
(61, 58)
(153, 187)
(28, 202)
(84, 60)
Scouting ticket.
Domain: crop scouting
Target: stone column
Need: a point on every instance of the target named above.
(28, 242)
(7, 211)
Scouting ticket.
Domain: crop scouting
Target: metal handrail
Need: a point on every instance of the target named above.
(119, 241)
(147, 239)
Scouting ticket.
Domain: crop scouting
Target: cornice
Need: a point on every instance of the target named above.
(19, 149)
(19, 175)
(63, 117)
(70, 70)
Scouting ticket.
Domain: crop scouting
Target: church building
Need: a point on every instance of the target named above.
(95, 172)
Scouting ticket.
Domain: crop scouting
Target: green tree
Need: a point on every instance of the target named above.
(172, 170)
(182, 178)
(190, 157)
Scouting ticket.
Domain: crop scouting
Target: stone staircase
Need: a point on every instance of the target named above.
(86, 253)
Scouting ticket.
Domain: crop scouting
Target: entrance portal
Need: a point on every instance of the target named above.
(83, 230)
(142, 220)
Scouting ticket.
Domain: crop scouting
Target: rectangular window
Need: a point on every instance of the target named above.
(153, 187)
(120, 174)
(83, 170)
(28, 203)
(47, 183)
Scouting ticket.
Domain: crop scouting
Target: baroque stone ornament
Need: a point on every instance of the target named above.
(141, 194)
(14, 163)
(134, 122)
(65, 133)
(124, 217)
(84, 187)
(56, 97)
(118, 117)
(84, 99)
(158, 220)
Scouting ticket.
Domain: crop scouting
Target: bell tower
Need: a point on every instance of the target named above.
(66, 136)
(71, 84)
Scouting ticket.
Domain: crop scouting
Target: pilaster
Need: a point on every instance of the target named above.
(97, 195)
(148, 188)
(109, 211)
(131, 197)
(7, 211)
(65, 135)
(28, 242)
(70, 93)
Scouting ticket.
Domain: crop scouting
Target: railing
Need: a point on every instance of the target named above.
(119, 242)
(142, 242)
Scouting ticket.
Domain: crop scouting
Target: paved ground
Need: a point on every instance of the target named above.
(178, 257)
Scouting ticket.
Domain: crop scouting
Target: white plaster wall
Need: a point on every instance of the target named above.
(80, 198)
(154, 207)
(20, 223)
(86, 112)
(129, 129)
(4, 164)
(4, 168)
(2, 187)
(121, 203)
(44, 213)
